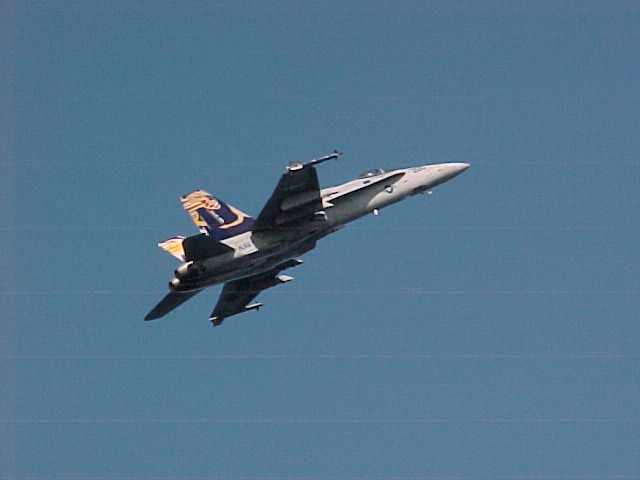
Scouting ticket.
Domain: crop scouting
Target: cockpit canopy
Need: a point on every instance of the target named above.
(371, 173)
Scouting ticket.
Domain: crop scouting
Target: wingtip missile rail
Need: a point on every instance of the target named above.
(296, 165)
(332, 156)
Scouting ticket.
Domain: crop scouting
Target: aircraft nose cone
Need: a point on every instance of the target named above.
(442, 172)
(450, 170)
(458, 168)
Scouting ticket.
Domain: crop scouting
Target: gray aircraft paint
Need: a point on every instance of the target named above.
(263, 253)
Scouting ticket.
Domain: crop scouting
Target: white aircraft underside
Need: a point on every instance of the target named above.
(248, 254)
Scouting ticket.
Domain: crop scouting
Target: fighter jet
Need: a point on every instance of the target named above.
(248, 254)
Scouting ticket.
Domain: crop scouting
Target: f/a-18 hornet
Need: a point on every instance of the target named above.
(247, 254)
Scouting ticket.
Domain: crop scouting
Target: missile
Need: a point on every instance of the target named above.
(253, 306)
(295, 166)
(294, 262)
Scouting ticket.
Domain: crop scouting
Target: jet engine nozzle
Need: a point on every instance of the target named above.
(174, 283)
(183, 269)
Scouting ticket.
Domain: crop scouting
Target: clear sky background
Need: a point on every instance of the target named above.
(490, 330)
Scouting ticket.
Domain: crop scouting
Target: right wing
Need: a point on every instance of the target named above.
(169, 302)
(237, 294)
(296, 198)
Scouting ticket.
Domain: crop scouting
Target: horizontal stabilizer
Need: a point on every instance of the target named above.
(169, 302)
(202, 246)
(173, 246)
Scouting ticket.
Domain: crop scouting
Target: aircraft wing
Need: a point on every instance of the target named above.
(296, 197)
(237, 294)
(169, 302)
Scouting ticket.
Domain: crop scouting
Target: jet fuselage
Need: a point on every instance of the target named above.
(255, 252)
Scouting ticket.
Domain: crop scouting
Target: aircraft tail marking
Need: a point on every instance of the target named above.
(173, 246)
(214, 217)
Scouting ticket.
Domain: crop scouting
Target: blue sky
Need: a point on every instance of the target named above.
(487, 331)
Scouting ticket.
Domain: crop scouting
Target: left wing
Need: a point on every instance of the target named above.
(237, 294)
(296, 197)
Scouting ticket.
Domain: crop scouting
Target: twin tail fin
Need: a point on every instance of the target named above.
(214, 217)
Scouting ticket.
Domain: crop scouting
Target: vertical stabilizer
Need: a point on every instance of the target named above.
(214, 217)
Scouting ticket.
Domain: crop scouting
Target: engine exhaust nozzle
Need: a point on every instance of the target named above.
(174, 283)
(183, 269)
